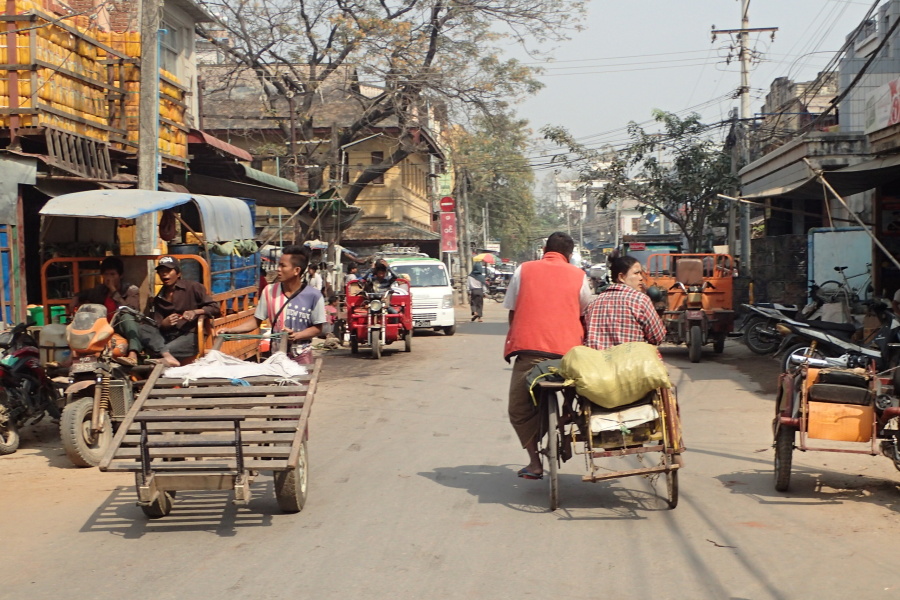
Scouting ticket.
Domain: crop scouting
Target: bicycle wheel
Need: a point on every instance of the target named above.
(831, 291)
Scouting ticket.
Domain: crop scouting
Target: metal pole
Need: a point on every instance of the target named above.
(745, 114)
(148, 104)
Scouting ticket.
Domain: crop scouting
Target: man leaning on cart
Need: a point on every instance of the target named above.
(290, 305)
(545, 300)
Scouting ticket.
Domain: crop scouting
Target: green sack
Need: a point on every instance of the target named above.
(617, 376)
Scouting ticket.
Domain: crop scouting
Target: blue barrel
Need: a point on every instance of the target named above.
(220, 272)
(190, 268)
(237, 263)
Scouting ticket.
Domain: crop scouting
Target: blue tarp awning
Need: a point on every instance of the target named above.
(224, 218)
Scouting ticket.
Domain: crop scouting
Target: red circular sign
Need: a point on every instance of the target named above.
(448, 204)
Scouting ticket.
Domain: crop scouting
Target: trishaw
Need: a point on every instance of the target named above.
(370, 322)
(100, 221)
(211, 434)
(818, 402)
(578, 426)
(693, 295)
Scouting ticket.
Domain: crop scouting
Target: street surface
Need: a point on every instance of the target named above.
(413, 494)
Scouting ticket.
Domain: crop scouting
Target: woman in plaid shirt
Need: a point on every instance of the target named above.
(623, 312)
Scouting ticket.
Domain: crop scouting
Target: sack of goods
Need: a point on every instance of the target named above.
(617, 376)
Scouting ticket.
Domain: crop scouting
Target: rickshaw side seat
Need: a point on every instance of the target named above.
(689, 271)
(840, 394)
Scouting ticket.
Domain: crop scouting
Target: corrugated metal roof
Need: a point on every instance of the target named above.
(387, 232)
(270, 180)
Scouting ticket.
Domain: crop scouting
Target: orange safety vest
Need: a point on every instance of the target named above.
(547, 317)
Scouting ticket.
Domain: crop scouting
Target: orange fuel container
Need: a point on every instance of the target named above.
(840, 422)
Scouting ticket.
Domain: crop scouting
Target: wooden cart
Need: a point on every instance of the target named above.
(215, 435)
(570, 431)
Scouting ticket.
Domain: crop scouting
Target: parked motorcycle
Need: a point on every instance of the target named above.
(833, 342)
(27, 393)
(100, 391)
(759, 325)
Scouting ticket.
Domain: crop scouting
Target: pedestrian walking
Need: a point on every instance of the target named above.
(476, 284)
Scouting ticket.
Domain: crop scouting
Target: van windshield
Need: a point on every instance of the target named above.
(423, 275)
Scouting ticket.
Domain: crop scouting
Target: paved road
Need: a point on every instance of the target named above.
(413, 494)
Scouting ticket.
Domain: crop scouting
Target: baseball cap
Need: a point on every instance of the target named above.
(168, 262)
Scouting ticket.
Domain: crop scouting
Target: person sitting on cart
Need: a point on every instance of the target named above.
(290, 305)
(176, 309)
(114, 292)
(381, 279)
(623, 312)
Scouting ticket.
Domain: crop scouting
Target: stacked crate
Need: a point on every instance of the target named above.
(72, 83)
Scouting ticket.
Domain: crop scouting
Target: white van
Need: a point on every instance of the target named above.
(432, 294)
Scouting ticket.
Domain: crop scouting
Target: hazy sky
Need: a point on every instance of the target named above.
(637, 55)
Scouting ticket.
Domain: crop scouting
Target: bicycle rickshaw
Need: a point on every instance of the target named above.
(577, 426)
(370, 322)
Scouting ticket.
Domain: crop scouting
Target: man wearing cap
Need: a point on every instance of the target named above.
(176, 310)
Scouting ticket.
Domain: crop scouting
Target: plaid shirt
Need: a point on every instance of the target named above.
(622, 314)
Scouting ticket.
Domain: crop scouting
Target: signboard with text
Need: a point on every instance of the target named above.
(448, 232)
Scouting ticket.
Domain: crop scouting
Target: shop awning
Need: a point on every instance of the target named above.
(224, 219)
(270, 180)
(264, 196)
(201, 137)
(846, 181)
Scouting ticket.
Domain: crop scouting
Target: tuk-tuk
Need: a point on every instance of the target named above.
(693, 295)
(78, 230)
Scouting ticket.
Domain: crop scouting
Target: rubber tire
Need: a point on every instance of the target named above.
(784, 450)
(160, 508)
(76, 416)
(672, 488)
(291, 486)
(755, 343)
(719, 343)
(553, 454)
(9, 438)
(785, 359)
(354, 345)
(407, 341)
(499, 297)
(695, 343)
(830, 291)
(450, 330)
(375, 342)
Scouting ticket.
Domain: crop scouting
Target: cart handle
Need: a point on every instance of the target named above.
(281, 337)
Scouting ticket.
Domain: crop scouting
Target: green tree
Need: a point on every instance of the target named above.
(500, 178)
(408, 54)
(677, 173)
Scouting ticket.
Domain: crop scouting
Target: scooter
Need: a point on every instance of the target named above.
(27, 393)
(832, 342)
(759, 325)
(100, 390)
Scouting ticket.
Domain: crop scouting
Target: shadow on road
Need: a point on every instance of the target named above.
(212, 512)
(579, 501)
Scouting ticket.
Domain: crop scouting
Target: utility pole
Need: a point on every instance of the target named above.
(743, 36)
(148, 120)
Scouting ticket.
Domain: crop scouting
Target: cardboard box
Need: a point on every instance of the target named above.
(840, 422)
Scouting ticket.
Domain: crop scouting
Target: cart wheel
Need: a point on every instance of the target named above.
(553, 453)
(160, 508)
(671, 485)
(375, 342)
(354, 345)
(9, 434)
(695, 340)
(719, 343)
(408, 340)
(290, 486)
(784, 449)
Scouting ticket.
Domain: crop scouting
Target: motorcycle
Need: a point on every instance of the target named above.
(370, 321)
(759, 325)
(100, 390)
(27, 393)
(833, 342)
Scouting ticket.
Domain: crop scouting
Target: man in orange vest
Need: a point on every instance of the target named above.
(545, 299)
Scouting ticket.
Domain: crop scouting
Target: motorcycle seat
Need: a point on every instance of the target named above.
(832, 326)
(842, 377)
(840, 394)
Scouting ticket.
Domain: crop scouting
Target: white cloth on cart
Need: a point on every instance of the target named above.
(219, 365)
(616, 420)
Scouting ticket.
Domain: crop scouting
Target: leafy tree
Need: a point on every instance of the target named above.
(676, 173)
(412, 52)
(500, 178)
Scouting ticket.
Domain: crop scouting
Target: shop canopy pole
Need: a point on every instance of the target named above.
(280, 226)
(853, 214)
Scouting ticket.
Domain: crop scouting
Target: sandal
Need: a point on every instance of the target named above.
(125, 361)
(524, 473)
